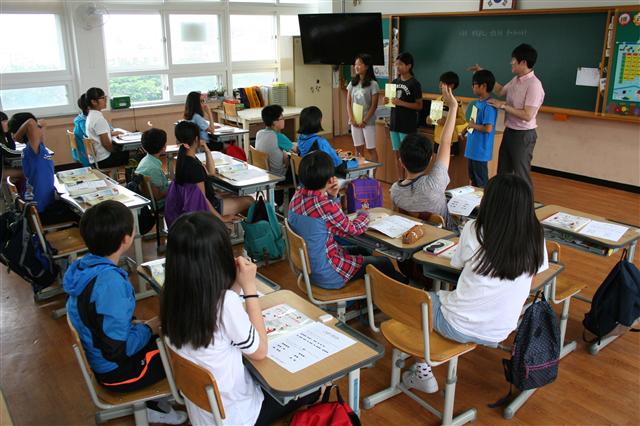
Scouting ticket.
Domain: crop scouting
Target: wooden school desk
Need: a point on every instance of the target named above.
(135, 203)
(598, 246)
(474, 213)
(440, 268)
(285, 386)
(249, 116)
(366, 168)
(394, 247)
(263, 284)
(129, 141)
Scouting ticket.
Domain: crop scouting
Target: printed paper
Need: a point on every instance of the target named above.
(604, 230)
(393, 226)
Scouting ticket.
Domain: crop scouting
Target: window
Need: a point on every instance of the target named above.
(34, 97)
(134, 42)
(253, 38)
(249, 79)
(194, 39)
(141, 88)
(289, 25)
(183, 85)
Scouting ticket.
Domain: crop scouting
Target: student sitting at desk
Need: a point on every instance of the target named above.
(309, 140)
(154, 142)
(121, 351)
(421, 192)
(190, 170)
(272, 141)
(80, 132)
(315, 215)
(499, 253)
(99, 130)
(195, 110)
(217, 330)
(38, 169)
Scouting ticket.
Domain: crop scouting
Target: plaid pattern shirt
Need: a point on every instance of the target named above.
(319, 205)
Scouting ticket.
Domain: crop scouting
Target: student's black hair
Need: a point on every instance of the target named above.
(153, 140)
(192, 105)
(104, 226)
(369, 75)
(449, 78)
(17, 120)
(510, 235)
(310, 121)
(187, 132)
(5, 137)
(83, 104)
(200, 267)
(525, 52)
(407, 59)
(316, 168)
(270, 114)
(415, 152)
(93, 94)
(484, 77)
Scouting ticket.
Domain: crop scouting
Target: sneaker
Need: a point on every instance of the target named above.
(427, 384)
(173, 417)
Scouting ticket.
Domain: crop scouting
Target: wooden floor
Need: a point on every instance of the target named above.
(43, 386)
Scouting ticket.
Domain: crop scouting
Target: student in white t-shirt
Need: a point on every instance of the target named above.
(99, 131)
(499, 254)
(204, 318)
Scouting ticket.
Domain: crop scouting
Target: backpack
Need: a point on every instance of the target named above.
(536, 349)
(616, 304)
(326, 413)
(236, 152)
(22, 252)
(363, 193)
(262, 233)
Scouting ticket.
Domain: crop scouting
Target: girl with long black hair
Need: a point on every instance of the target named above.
(362, 93)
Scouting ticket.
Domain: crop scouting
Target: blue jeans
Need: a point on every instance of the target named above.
(445, 329)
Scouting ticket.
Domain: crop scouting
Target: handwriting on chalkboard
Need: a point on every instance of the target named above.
(509, 32)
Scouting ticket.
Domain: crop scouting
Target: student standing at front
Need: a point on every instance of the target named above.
(363, 91)
(525, 95)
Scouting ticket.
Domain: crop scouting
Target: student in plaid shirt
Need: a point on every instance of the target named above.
(315, 215)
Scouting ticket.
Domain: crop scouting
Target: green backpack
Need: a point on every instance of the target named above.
(262, 233)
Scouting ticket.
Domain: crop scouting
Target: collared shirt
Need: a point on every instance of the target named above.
(318, 205)
(523, 91)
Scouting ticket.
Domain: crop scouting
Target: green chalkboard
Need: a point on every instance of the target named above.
(346, 69)
(564, 42)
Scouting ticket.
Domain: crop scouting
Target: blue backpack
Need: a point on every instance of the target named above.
(262, 233)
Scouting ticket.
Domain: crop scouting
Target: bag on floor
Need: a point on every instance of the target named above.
(22, 252)
(536, 349)
(616, 304)
(262, 233)
(363, 193)
(327, 413)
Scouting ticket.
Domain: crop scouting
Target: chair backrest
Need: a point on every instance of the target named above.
(230, 110)
(432, 218)
(295, 160)
(553, 250)
(258, 158)
(72, 141)
(144, 187)
(192, 380)
(78, 343)
(91, 152)
(33, 219)
(295, 243)
(399, 301)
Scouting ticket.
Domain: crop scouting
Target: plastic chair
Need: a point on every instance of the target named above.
(258, 158)
(300, 265)
(410, 331)
(113, 404)
(189, 380)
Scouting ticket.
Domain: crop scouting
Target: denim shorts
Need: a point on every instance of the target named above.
(445, 329)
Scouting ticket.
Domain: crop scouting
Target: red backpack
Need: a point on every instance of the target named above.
(326, 413)
(236, 152)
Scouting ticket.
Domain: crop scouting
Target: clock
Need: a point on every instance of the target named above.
(497, 4)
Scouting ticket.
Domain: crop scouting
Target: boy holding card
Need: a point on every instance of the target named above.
(482, 129)
(451, 80)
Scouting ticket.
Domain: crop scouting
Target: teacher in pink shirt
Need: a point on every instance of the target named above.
(524, 96)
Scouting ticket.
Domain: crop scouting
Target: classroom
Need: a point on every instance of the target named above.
(221, 211)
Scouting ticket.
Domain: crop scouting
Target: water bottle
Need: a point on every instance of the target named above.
(28, 193)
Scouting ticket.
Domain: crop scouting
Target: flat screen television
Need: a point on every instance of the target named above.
(336, 38)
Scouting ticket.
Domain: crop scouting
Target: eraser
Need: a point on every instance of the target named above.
(325, 317)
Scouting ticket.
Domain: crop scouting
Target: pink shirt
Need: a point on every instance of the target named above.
(523, 91)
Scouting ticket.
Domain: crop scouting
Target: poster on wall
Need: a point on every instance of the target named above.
(626, 84)
(623, 86)
(382, 71)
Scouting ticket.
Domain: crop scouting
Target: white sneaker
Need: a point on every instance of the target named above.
(173, 417)
(427, 384)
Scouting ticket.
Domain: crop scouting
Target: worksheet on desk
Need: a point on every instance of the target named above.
(463, 205)
(603, 230)
(307, 346)
(393, 226)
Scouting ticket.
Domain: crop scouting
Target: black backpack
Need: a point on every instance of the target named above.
(22, 252)
(616, 302)
(536, 349)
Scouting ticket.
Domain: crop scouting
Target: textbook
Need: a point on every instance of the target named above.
(104, 195)
(77, 175)
(82, 187)
(566, 221)
(156, 269)
(454, 192)
(282, 319)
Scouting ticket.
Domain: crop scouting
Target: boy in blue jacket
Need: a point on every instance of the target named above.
(121, 351)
